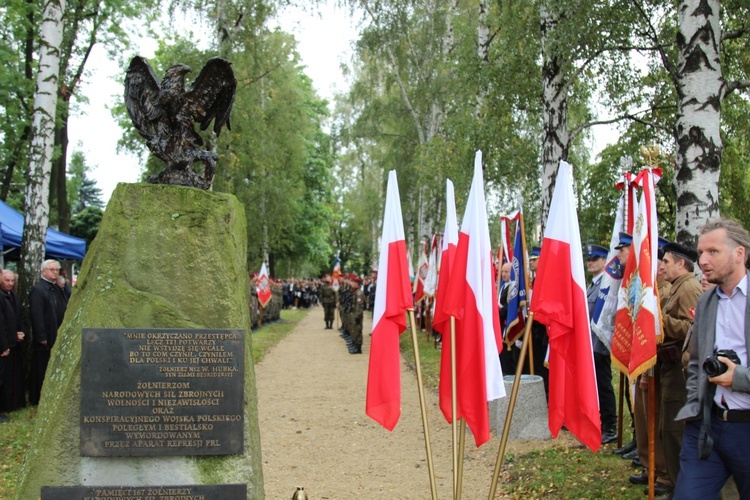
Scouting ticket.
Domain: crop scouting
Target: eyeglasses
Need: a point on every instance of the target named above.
(55, 269)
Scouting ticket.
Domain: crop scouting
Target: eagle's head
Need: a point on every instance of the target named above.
(175, 76)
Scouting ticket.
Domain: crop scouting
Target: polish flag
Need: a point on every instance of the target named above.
(263, 286)
(560, 303)
(392, 300)
(471, 300)
(423, 268)
(441, 321)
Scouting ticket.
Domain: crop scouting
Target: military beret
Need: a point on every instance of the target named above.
(626, 239)
(682, 251)
(596, 251)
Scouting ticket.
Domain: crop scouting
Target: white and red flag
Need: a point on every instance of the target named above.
(423, 268)
(560, 303)
(336, 275)
(431, 281)
(638, 320)
(263, 286)
(441, 321)
(392, 300)
(471, 300)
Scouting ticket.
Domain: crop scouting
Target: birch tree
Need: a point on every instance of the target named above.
(36, 216)
(701, 88)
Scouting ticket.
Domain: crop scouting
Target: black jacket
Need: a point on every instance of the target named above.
(47, 304)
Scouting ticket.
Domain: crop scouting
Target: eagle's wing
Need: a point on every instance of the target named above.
(211, 96)
(142, 96)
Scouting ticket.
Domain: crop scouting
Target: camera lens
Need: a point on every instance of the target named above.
(713, 367)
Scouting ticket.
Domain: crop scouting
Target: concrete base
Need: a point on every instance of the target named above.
(530, 414)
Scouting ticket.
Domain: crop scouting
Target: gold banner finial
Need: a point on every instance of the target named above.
(651, 155)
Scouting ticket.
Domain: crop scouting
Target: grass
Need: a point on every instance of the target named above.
(270, 335)
(15, 436)
(563, 471)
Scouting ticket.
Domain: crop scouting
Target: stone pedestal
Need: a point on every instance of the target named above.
(530, 414)
(164, 257)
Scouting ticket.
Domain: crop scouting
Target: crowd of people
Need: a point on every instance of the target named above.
(48, 300)
(701, 413)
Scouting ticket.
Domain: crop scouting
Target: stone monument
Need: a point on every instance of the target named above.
(165, 257)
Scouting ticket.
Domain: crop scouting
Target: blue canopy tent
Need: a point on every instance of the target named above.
(59, 245)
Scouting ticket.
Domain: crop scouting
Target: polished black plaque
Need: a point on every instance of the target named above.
(156, 392)
(189, 491)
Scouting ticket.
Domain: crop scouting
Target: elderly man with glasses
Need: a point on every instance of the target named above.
(47, 304)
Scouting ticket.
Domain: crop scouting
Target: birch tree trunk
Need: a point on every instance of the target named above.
(36, 218)
(556, 141)
(697, 129)
(483, 53)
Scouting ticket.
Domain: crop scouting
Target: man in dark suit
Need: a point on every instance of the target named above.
(12, 390)
(596, 259)
(47, 304)
(717, 412)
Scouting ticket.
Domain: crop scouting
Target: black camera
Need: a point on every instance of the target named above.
(713, 367)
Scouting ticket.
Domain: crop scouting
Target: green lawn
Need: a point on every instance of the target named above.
(15, 435)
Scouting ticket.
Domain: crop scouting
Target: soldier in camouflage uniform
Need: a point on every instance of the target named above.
(328, 301)
(357, 309)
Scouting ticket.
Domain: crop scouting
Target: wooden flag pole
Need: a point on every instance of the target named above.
(620, 414)
(454, 410)
(461, 447)
(651, 433)
(423, 405)
(511, 407)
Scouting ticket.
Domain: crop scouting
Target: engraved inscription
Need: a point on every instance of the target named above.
(161, 392)
(181, 492)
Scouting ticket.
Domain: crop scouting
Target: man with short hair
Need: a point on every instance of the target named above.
(596, 259)
(12, 392)
(677, 266)
(717, 411)
(47, 304)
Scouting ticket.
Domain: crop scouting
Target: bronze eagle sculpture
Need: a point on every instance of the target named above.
(163, 113)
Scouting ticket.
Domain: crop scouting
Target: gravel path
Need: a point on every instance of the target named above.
(314, 431)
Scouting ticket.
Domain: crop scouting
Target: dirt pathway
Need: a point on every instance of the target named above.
(314, 431)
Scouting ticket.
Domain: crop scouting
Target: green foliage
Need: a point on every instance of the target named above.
(82, 190)
(85, 223)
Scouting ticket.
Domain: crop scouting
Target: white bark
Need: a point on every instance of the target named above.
(697, 130)
(36, 219)
(483, 49)
(556, 140)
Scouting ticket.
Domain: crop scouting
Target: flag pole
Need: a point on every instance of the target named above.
(511, 408)
(651, 433)
(526, 274)
(454, 408)
(422, 405)
(461, 447)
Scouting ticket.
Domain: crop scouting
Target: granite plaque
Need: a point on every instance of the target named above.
(156, 392)
(181, 492)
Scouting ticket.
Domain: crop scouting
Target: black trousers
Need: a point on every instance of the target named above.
(607, 402)
(39, 362)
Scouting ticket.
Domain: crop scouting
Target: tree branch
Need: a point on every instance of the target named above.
(730, 87)
(625, 116)
(732, 34)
